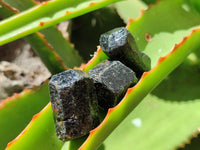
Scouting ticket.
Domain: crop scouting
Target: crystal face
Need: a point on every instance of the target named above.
(119, 44)
(112, 78)
(74, 104)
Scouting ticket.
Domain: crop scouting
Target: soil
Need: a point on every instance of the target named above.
(20, 68)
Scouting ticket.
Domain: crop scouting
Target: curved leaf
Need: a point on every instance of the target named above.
(130, 9)
(51, 13)
(17, 111)
(68, 54)
(49, 57)
(98, 57)
(134, 95)
(20, 5)
(43, 44)
(160, 70)
(164, 115)
(39, 134)
(161, 38)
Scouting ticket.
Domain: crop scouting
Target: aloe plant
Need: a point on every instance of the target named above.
(160, 112)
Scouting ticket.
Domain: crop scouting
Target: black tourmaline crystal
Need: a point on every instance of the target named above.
(74, 104)
(112, 79)
(119, 44)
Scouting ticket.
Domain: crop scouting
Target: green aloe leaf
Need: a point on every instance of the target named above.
(130, 9)
(44, 45)
(17, 111)
(37, 41)
(62, 47)
(49, 57)
(164, 115)
(6, 11)
(128, 99)
(159, 42)
(19, 5)
(98, 57)
(51, 13)
(134, 95)
(39, 134)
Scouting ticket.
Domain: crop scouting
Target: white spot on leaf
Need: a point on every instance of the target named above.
(159, 50)
(186, 7)
(137, 122)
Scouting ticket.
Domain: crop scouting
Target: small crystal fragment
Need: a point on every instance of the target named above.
(119, 44)
(74, 104)
(112, 79)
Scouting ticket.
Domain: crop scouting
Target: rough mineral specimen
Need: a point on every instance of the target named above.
(119, 44)
(74, 104)
(112, 79)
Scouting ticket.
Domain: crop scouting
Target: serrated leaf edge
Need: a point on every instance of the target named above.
(29, 125)
(131, 90)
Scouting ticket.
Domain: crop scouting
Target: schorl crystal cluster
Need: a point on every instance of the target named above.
(77, 96)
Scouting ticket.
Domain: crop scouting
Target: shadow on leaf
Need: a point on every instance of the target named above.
(181, 85)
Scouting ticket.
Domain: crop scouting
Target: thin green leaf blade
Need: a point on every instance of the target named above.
(62, 47)
(134, 95)
(17, 111)
(151, 79)
(152, 46)
(39, 134)
(20, 5)
(42, 44)
(164, 115)
(51, 13)
(130, 9)
(46, 53)
(98, 57)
